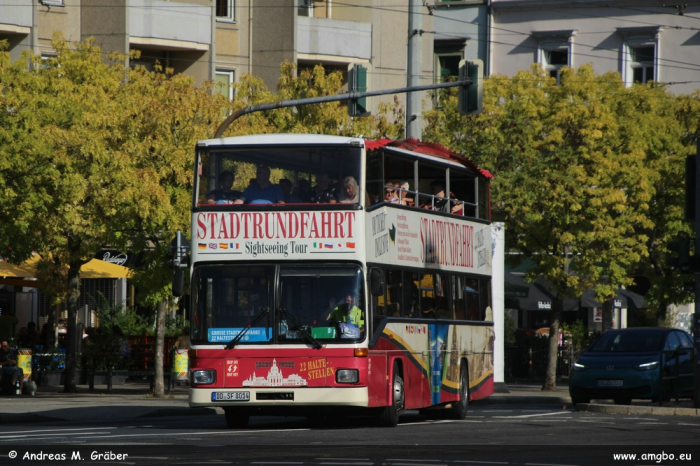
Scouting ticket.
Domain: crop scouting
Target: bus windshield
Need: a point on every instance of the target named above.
(279, 174)
(319, 301)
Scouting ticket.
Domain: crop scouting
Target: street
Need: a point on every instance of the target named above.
(491, 434)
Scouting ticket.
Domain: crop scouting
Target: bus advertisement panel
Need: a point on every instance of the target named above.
(421, 239)
(277, 235)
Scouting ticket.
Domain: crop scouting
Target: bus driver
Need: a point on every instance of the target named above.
(347, 312)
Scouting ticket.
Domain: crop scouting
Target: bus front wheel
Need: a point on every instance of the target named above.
(236, 419)
(389, 416)
(459, 408)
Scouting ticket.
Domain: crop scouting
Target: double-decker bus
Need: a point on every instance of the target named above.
(348, 276)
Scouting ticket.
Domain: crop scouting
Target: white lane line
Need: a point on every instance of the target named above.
(639, 419)
(654, 423)
(548, 464)
(347, 463)
(15, 437)
(422, 461)
(59, 430)
(522, 416)
(481, 462)
(204, 433)
(687, 424)
(343, 459)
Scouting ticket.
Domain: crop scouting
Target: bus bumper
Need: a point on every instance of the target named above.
(345, 396)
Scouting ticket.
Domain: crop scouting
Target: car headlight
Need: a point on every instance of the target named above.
(579, 367)
(347, 376)
(203, 377)
(647, 366)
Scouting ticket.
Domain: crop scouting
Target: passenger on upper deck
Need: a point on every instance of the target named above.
(439, 203)
(390, 194)
(224, 195)
(262, 192)
(350, 194)
(322, 193)
(404, 195)
(289, 196)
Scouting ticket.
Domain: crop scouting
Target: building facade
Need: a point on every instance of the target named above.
(642, 40)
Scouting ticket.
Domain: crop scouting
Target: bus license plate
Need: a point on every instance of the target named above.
(610, 383)
(230, 396)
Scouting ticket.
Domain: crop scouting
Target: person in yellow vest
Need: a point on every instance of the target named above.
(348, 312)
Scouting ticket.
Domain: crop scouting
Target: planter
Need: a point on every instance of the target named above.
(48, 378)
(118, 378)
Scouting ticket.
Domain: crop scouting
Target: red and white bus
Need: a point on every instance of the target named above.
(366, 288)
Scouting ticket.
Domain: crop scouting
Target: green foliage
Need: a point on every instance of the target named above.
(579, 334)
(589, 174)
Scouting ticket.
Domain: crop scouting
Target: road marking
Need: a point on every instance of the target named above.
(547, 464)
(15, 437)
(422, 461)
(350, 463)
(639, 419)
(654, 423)
(343, 459)
(60, 430)
(522, 416)
(204, 433)
(686, 424)
(481, 462)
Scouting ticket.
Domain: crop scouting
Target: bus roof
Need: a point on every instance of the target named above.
(262, 139)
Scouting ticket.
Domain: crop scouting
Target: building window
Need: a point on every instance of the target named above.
(447, 67)
(642, 64)
(225, 10)
(555, 51)
(306, 8)
(640, 54)
(554, 60)
(223, 83)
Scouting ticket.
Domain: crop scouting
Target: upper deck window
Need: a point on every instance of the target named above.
(280, 175)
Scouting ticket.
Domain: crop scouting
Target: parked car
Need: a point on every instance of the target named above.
(634, 363)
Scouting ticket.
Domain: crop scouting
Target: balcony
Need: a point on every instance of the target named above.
(16, 17)
(328, 38)
(169, 25)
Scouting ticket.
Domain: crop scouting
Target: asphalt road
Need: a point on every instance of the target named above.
(517, 435)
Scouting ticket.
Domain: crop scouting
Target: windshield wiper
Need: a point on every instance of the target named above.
(296, 325)
(263, 312)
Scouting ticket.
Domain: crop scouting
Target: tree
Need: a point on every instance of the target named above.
(93, 154)
(574, 174)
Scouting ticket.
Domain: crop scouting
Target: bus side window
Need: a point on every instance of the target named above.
(427, 296)
(442, 291)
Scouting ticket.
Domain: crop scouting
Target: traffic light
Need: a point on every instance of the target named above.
(470, 97)
(357, 82)
(679, 255)
(178, 249)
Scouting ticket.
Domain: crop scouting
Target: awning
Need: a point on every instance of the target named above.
(96, 268)
(535, 296)
(623, 299)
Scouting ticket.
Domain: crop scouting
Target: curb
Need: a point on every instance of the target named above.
(622, 409)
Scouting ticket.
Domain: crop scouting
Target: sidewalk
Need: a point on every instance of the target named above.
(132, 400)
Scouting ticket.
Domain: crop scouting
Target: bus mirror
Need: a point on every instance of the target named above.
(178, 282)
(376, 282)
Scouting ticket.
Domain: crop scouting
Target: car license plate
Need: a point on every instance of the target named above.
(610, 383)
(230, 396)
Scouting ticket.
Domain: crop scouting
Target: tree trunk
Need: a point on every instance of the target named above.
(607, 315)
(159, 388)
(71, 336)
(550, 378)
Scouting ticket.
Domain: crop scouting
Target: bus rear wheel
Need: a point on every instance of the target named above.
(460, 407)
(236, 419)
(389, 416)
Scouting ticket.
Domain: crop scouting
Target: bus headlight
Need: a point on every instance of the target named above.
(203, 377)
(347, 376)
